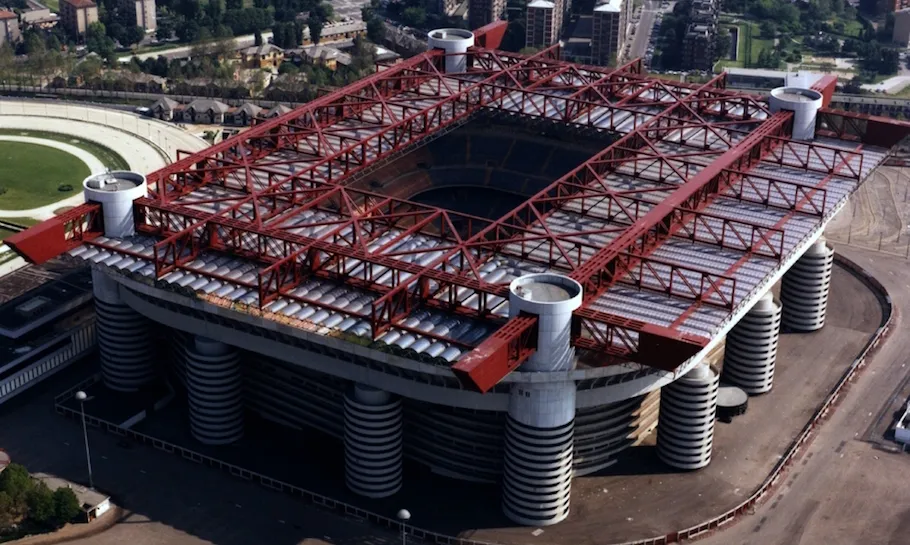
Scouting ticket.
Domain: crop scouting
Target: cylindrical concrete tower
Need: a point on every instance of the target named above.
(685, 429)
(214, 385)
(752, 347)
(453, 41)
(123, 338)
(537, 473)
(116, 191)
(804, 289)
(373, 431)
(804, 103)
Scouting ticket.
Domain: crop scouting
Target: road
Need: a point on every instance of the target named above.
(643, 31)
(846, 489)
(170, 500)
(184, 50)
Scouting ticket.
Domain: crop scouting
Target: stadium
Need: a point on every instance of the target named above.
(506, 268)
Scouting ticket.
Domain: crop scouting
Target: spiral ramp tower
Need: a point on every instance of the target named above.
(214, 384)
(685, 432)
(123, 338)
(751, 349)
(804, 289)
(373, 450)
(540, 428)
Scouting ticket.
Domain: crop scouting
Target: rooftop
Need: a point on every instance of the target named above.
(283, 233)
(80, 4)
(610, 6)
(4, 14)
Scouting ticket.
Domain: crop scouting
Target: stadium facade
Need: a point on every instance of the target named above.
(303, 270)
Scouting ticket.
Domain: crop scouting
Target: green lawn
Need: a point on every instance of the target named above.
(54, 5)
(31, 174)
(110, 159)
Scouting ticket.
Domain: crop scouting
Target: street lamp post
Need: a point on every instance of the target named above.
(404, 516)
(82, 398)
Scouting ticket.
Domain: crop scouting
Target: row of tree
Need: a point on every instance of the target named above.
(24, 500)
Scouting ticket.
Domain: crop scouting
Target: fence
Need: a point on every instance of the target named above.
(702, 529)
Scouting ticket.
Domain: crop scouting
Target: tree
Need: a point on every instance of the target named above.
(315, 26)
(414, 16)
(233, 4)
(8, 514)
(15, 482)
(97, 41)
(324, 11)
(187, 31)
(257, 38)
(40, 501)
(134, 34)
(165, 30)
(53, 44)
(66, 505)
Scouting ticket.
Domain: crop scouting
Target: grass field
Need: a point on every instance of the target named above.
(110, 159)
(31, 174)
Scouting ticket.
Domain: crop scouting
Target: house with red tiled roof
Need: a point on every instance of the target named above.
(77, 15)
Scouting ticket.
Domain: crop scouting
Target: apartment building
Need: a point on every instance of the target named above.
(77, 15)
(699, 41)
(9, 28)
(609, 30)
(544, 22)
(143, 11)
(483, 12)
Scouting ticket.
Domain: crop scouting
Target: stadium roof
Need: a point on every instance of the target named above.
(672, 229)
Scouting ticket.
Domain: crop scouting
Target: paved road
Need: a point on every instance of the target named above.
(173, 501)
(643, 30)
(846, 489)
(184, 51)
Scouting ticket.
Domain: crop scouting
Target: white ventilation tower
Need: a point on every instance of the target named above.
(452, 41)
(804, 289)
(685, 430)
(804, 103)
(115, 191)
(752, 347)
(537, 474)
(373, 447)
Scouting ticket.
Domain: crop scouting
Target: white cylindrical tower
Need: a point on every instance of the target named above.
(804, 103)
(123, 338)
(685, 429)
(116, 191)
(537, 473)
(455, 42)
(214, 385)
(752, 347)
(804, 289)
(373, 431)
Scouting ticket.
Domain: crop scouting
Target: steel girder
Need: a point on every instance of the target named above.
(264, 182)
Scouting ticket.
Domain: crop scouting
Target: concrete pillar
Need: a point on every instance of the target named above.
(685, 430)
(751, 348)
(537, 473)
(373, 431)
(123, 338)
(214, 384)
(804, 289)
